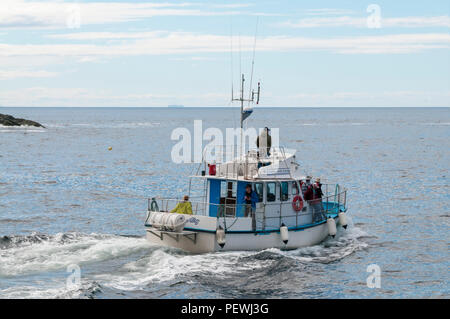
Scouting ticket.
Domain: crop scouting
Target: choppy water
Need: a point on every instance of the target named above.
(65, 199)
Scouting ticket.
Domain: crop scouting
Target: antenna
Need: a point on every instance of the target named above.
(253, 95)
(253, 58)
(254, 98)
(231, 56)
(259, 91)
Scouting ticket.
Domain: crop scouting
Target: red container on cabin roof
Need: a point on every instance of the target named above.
(212, 169)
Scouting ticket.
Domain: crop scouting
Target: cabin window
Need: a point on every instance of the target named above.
(228, 191)
(294, 189)
(284, 191)
(223, 189)
(259, 190)
(271, 187)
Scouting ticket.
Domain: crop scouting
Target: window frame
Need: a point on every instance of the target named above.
(274, 192)
(260, 199)
(284, 198)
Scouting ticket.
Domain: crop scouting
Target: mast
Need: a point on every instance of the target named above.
(254, 98)
(242, 104)
(253, 95)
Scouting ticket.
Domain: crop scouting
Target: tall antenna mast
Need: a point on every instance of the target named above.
(254, 95)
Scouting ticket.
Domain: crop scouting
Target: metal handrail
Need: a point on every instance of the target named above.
(201, 206)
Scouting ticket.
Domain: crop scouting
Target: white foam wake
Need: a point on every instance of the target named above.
(165, 264)
(37, 255)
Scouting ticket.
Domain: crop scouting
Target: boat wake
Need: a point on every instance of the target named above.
(118, 266)
(25, 255)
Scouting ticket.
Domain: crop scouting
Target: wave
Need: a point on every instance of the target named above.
(221, 268)
(52, 290)
(20, 129)
(117, 125)
(336, 124)
(38, 253)
(437, 124)
(134, 265)
(125, 125)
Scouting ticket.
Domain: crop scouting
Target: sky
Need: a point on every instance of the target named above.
(307, 53)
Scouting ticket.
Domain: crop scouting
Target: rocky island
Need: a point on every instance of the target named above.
(8, 120)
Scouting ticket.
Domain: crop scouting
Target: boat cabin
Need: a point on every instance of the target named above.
(226, 196)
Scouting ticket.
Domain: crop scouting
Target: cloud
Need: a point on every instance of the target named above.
(328, 11)
(13, 74)
(232, 5)
(361, 99)
(361, 22)
(45, 96)
(161, 43)
(58, 14)
(326, 22)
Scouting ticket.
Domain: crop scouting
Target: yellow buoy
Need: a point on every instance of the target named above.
(110, 148)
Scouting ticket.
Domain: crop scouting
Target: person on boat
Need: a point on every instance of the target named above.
(306, 184)
(314, 197)
(183, 207)
(264, 143)
(250, 199)
(318, 187)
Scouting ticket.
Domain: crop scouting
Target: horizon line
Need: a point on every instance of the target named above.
(237, 107)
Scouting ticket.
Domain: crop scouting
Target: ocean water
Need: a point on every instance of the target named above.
(66, 200)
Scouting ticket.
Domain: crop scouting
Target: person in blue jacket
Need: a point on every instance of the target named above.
(250, 199)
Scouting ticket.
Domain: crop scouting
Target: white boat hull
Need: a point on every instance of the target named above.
(205, 242)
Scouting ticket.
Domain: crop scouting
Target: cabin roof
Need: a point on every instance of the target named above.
(253, 180)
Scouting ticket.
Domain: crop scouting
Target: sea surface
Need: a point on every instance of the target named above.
(67, 203)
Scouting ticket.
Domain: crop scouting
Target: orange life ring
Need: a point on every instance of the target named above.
(297, 203)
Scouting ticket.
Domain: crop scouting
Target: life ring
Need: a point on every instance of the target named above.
(297, 203)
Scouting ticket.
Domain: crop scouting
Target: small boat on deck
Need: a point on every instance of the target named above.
(222, 220)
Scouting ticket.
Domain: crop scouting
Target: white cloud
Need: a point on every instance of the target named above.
(328, 11)
(361, 22)
(45, 96)
(12, 74)
(58, 14)
(326, 22)
(160, 43)
(232, 5)
(360, 99)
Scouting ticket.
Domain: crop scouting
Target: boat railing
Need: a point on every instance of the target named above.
(318, 209)
(225, 153)
(230, 165)
(335, 193)
(168, 204)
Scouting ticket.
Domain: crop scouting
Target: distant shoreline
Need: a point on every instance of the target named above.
(7, 120)
(226, 107)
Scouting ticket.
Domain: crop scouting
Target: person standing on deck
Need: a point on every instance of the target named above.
(318, 187)
(250, 199)
(183, 207)
(306, 184)
(314, 197)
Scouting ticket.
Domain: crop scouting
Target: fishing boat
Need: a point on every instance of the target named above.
(221, 218)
